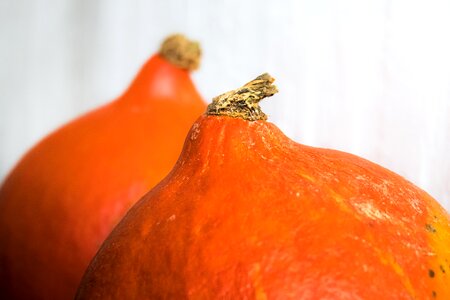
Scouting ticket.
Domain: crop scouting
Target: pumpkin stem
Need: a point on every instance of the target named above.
(244, 101)
(181, 51)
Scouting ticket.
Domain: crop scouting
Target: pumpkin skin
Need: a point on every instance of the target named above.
(67, 193)
(247, 213)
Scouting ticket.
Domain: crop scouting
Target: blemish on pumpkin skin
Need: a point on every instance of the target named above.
(433, 293)
(413, 198)
(307, 177)
(430, 228)
(362, 177)
(441, 267)
(371, 211)
(415, 204)
(339, 200)
(267, 145)
(431, 273)
(195, 131)
(383, 187)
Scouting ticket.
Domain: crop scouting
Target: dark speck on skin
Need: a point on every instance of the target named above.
(431, 273)
(442, 268)
(434, 294)
(430, 228)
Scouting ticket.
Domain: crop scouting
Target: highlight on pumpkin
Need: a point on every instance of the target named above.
(181, 51)
(244, 101)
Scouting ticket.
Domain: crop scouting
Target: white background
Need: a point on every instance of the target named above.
(367, 77)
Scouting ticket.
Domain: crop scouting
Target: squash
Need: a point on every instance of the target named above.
(67, 193)
(246, 213)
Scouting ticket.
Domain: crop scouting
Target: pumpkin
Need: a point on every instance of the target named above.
(246, 213)
(67, 193)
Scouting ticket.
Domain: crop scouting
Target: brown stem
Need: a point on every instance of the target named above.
(244, 101)
(181, 52)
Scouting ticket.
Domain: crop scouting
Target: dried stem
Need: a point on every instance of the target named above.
(181, 51)
(244, 102)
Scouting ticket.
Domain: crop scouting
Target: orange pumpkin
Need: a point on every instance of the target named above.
(247, 213)
(67, 193)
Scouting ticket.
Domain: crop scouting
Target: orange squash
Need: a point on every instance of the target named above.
(67, 193)
(247, 213)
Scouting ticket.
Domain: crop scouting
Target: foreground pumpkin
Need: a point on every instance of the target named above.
(65, 196)
(247, 213)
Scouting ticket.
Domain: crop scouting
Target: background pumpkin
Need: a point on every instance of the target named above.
(67, 193)
(247, 213)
